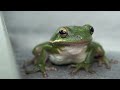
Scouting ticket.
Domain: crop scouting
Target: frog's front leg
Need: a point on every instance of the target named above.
(39, 63)
(41, 55)
(86, 64)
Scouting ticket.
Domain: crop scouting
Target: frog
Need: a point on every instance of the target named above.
(70, 45)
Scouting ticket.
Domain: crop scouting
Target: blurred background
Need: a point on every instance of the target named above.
(26, 29)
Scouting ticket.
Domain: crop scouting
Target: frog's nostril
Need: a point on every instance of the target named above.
(78, 37)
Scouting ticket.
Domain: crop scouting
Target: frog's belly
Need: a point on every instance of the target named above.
(69, 55)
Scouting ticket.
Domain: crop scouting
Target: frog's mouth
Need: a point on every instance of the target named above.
(58, 42)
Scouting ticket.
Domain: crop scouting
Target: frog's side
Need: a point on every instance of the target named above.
(70, 45)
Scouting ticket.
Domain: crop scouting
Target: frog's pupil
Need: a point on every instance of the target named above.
(62, 32)
(92, 30)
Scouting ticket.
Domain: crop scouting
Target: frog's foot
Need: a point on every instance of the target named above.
(105, 61)
(27, 63)
(42, 69)
(35, 70)
(81, 66)
(44, 74)
(114, 61)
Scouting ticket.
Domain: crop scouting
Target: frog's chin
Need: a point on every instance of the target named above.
(71, 43)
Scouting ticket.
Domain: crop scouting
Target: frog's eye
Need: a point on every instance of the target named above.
(91, 30)
(63, 32)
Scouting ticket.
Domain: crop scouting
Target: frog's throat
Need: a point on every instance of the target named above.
(70, 43)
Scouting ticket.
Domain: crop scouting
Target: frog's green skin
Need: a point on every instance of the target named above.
(70, 45)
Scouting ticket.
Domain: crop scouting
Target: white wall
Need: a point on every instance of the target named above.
(8, 68)
(106, 23)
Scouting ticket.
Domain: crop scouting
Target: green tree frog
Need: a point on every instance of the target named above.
(70, 45)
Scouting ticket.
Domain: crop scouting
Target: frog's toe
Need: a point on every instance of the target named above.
(26, 63)
(72, 66)
(51, 68)
(107, 62)
(108, 66)
(74, 72)
(34, 70)
(45, 75)
(91, 71)
(77, 68)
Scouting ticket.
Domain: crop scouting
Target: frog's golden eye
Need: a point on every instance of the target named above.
(91, 30)
(63, 32)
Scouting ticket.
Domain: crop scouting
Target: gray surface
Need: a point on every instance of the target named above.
(27, 29)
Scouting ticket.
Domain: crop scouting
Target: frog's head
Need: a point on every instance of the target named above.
(73, 35)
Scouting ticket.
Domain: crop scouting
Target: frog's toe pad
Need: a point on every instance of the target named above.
(45, 75)
(51, 69)
(92, 71)
(74, 72)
